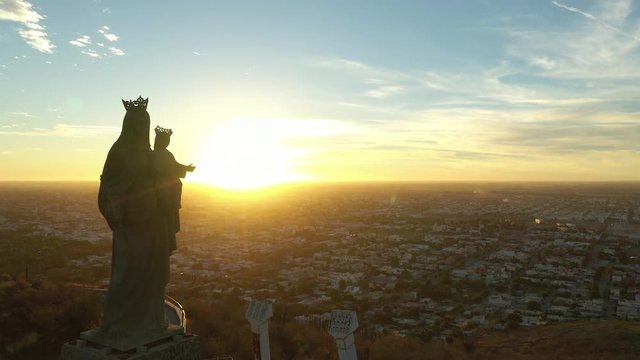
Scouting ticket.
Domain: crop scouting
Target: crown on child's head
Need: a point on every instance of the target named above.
(135, 105)
(163, 131)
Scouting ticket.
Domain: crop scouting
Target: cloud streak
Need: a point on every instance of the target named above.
(116, 51)
(596, 19)
(383, 92)
(602, 49)
(105, 31)
(81, 41)
(65, 130)
(90, 53)
(100, 49)
(445, 89)
(17, 114)
(33, 33)
(381, 83)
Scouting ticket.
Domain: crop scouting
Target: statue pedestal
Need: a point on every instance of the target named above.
(177, 347)
(126, 342)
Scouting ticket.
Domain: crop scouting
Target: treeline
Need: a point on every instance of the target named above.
(48, 256)
(37, 319)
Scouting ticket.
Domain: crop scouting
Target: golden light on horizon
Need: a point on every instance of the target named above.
(247, 154)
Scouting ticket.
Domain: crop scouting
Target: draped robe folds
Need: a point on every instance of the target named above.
(169, 190)
(134, 307)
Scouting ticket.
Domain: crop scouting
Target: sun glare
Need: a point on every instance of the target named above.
(247, 154)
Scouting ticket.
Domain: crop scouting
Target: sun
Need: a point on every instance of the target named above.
(247, 154)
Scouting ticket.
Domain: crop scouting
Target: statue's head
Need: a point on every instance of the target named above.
(136, 123)
(163, 137)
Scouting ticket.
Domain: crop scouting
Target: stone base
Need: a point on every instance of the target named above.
(131, 342)
(178, 347)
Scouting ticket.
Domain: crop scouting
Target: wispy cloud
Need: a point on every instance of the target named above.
(98, 49)
(538, 136)
(116, 51)
(383, 92)
(83, 130)
(604, 47)
(521, 114)
(91, 53)
(64, 130)
(544, 62)
(596, 19)
(18, 114)
(81, 41)
(381, 83)
(557, 132)
(32, 32)
(444, 89)
(105, 31)
(586, 135)
(576, 10)
(37, 39)
(369, 74)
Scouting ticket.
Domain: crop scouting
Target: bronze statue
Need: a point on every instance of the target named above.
(134, 304)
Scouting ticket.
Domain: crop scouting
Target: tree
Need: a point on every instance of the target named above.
(513, 320)
(533, 305)
(342, 284)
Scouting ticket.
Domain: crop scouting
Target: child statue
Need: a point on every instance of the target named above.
(168, 185)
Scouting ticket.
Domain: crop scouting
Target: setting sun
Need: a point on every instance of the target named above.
(247, 154)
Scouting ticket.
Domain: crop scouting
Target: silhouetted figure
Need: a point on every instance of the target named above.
(169, 187)
(133, 313)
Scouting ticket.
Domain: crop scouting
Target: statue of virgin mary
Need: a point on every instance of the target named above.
(134, 304)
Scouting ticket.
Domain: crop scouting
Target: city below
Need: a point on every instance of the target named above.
(424, 260)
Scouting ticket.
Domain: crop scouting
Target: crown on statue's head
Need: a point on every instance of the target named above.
(163, 131)
(135, 105)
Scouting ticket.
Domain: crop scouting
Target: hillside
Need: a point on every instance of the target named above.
(42, 318)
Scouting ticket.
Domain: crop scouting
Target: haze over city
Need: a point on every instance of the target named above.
(264, 93)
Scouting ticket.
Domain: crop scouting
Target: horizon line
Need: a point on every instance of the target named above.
(355, 181)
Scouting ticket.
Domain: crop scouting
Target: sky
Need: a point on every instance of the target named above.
(261, 92)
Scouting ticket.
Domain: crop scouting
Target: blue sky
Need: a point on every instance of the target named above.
(395, 90)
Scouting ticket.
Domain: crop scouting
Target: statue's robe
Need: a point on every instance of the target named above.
(169, 190)
(140, 261)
